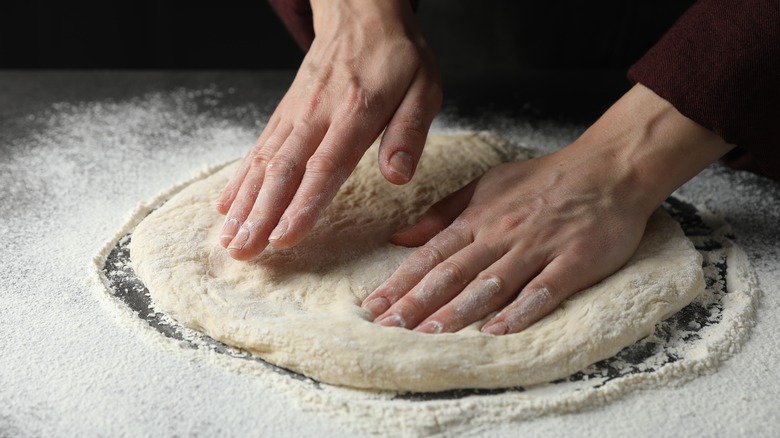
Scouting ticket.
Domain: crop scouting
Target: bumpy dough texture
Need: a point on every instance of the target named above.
(300, 308)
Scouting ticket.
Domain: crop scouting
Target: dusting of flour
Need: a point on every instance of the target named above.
(75, 362)
(694, 341)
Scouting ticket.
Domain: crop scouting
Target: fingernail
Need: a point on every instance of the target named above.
(229, 231)
(392, 321)
(401, 164)
(377, 306)
(239, 241)
(279, 231)
(497, 329)
(430, 327)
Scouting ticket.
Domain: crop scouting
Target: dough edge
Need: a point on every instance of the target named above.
(401, 360)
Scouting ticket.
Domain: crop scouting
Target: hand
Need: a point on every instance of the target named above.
(527, 235)
(527, 230)
(368, 70)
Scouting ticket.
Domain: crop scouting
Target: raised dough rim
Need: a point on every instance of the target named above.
(376, 377)
(385, 413)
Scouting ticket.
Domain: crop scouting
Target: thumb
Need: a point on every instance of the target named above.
(438, 217)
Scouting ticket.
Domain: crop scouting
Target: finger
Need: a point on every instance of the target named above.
(251, 184)
(492, 288)
(543, 294)
(438, 287)
(413, 269)
(225, 200)
(404, 138)
(282, 177)
(325, 172)
(439, 216)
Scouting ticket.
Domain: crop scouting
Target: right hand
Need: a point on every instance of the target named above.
(368, 70)
(527, 235)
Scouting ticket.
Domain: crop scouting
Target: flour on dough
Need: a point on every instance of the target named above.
(300, 308)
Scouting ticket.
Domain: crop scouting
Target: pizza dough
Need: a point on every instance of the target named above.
(300, 308)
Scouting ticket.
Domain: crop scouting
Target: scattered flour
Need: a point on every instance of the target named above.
(72, 361)
(691, 343)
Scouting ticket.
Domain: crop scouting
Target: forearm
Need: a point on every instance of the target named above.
(719, 66)
(649, 148)
(381, 17)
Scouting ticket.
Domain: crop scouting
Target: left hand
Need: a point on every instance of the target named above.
(368, 70)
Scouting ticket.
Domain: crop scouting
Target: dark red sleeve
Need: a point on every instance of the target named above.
(719, 65)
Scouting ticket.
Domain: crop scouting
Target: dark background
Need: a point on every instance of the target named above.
(559, 56)
(144, 34)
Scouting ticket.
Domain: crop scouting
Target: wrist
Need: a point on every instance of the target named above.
(380, 16)
(652, 149)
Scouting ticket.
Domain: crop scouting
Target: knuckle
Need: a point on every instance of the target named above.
(457, 234)
(261, 142)
(260, 160)
(510, 222)
(281, 166)
(452, 272)
(412, 126)
(534, 303)
(323, 164)
(357, 97)
(541, 289)
(411, 305)
(483, 294)
(353, 95)
(462, 227)
(312, 99)
(312, 106)
(491, 283)
(267, 142)
(389, 292)
(429, 255)
(301, 129)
